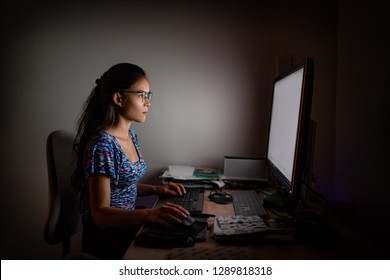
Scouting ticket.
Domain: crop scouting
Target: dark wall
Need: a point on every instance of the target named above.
(211, 65)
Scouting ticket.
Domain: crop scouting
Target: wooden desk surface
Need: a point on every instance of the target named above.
(265, 249)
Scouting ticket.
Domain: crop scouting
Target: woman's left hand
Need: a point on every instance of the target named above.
(171, 189)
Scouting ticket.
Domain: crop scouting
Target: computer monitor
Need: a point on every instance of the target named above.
(289, 127)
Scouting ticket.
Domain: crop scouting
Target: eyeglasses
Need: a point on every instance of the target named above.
(145, 95)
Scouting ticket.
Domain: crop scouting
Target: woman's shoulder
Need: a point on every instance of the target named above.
(132, 132)
(133, 135)
(103, 138)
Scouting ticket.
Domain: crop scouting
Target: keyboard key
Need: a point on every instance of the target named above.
(246, 203)
(192, 201)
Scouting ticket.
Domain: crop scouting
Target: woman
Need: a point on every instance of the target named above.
(110, 164)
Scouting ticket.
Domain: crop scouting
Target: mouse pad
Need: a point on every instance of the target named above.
(158, 236)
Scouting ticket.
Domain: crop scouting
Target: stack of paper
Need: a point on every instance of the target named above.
(185, 172)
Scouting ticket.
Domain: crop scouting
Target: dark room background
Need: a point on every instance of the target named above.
(211, 66)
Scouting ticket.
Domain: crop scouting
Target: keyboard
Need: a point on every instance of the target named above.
(246, 203)
(192, 201)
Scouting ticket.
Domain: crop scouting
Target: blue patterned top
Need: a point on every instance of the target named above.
(104, 155)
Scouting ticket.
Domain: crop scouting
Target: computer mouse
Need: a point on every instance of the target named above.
(188, 221)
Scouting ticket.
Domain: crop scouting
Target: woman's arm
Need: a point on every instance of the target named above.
(102, 213)
(145, 189)
(167, 189)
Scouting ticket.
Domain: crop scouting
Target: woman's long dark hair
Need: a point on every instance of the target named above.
(99, 110)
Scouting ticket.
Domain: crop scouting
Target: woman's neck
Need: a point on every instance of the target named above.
(120, 129)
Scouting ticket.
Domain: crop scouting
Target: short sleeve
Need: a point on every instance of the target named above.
(101, 159)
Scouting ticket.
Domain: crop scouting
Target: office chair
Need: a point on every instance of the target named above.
(64, 218)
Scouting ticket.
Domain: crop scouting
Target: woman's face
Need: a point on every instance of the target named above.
(135, 105)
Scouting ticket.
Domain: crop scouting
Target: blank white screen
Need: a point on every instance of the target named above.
(284, 122)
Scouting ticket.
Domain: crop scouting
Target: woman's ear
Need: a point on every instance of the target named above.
(117, 99)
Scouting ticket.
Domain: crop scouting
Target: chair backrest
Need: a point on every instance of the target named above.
(64, 217)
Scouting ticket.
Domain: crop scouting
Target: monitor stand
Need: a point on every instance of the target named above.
(282, 201)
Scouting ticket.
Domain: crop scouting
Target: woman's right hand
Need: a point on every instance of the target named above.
(168, 214)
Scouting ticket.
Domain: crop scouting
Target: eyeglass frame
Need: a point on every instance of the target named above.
(146, 95)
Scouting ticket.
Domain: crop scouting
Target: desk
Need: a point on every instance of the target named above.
(347, 247)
